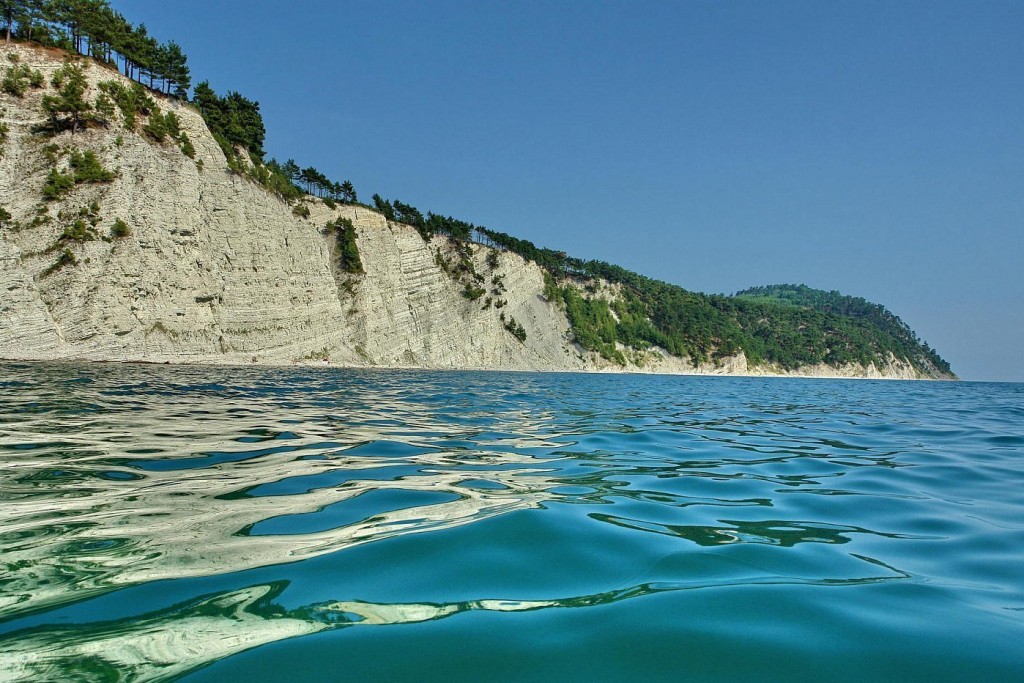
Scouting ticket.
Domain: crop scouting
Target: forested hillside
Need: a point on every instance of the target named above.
(892, 333)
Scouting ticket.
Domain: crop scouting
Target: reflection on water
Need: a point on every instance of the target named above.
(178, 640)
(164, 494)
(501, 493)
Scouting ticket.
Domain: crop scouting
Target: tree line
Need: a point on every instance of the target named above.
(315, 183)
(92, 28)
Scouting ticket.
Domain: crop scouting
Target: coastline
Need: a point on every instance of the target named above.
(799, 373)
(218, 270)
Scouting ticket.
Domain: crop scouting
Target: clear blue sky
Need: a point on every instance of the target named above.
(876, 148)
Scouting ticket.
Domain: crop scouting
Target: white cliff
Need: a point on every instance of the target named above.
(219, 270)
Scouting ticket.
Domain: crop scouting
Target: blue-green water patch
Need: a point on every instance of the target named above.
(356, 509)
(200, 524)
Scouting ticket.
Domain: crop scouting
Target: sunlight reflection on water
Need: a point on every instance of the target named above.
(157, 520)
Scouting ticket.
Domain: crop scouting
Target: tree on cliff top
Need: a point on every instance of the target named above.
(348, 192)
(233, 119)
(8, 9)
(384, 206)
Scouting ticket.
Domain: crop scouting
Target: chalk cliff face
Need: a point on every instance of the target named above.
(218, 270)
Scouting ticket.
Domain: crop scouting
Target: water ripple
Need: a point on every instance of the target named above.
(159, 520)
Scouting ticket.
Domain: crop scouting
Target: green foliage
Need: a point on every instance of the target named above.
(132, 100)
(78, 231)
(868, 329)
(52, 153)
(432, 224)
(120, 229)
(330, 203)
(453, 228)
(5, 216)
(42, 216)
(499, 284)
(18, 78)
(555, 262)
(311, 181)
(384, 206)
(156, 127)
(172, 124)
(301, 210)
(276, 179)
(551, 290)
(234, 120)
(66, 258)
(92, 28)
(472, 291)
(4, 131)
(87, 168)
(103, 109)
(348, 250)
(235, 163)
(161, 126)
(187, 148)
(409, 214)
(57, 184)
(786, 325)
(591, 322)
(514, 328)
(348, 192)
(83, 227)
(68, 108)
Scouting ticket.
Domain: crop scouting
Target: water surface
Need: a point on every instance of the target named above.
(208, 524)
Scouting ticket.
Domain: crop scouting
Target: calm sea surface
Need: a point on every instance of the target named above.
(217, 524)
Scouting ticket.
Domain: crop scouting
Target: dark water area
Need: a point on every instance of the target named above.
(211, 524)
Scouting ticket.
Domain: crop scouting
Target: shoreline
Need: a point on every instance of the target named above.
(329, 365)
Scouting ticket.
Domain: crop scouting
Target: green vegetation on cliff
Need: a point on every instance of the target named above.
(786, 325)
(92, 28)
(645, 312)
(348, 250)
(789, 326)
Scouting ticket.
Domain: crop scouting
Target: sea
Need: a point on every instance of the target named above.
(166, 523)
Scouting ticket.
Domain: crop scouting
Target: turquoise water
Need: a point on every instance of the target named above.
(213, 524)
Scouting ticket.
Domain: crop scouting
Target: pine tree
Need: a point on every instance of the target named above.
(384, 206)
(9, 10)
(70, 98)
(348, 192)
(176, 71)
(308, 176)
(26, 13)
(292, 170)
